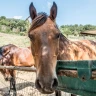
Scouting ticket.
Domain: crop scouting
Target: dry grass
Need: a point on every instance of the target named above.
(21, 41)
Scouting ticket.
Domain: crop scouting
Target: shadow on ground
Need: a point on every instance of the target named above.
(5, 91)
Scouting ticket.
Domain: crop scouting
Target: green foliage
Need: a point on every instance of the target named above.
(76, 29)
(2, 18)
(17, 26)
(13, 25)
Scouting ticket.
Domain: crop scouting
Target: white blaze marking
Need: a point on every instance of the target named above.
(44, 51)
(62, 52)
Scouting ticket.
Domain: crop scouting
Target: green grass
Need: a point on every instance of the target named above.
(21, 41)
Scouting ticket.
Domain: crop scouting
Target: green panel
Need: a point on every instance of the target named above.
(77, 86)
(86, 87)
(84, 67)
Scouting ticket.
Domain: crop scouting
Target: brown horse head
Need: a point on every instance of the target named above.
(44, 36)
(6, 50)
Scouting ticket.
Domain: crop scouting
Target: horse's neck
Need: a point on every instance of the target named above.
(78, 50)
(64, 43)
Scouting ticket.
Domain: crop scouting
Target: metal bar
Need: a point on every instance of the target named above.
(32, 69)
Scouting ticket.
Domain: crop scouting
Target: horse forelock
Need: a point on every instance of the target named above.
(39, 20)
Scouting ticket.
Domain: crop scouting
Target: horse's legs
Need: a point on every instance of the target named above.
(73, 95)
(57, 93)
(13, 83)
(11, 87)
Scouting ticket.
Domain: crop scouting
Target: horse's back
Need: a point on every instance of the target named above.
(24, 57)
(84, 50)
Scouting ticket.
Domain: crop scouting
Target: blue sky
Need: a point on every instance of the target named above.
(69, 11)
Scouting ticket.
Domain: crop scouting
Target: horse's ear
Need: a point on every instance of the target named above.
(32, 11)
(53, 11)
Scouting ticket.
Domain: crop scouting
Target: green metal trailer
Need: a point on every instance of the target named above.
(81, 85)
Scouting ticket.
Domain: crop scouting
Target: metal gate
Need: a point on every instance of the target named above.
(82, 81)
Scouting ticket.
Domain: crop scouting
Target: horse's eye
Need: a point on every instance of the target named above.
(4, 50)
(31, 37)
(57, 35)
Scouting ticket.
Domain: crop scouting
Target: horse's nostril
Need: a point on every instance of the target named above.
(54, 83)
(38, 84)
(6, 79)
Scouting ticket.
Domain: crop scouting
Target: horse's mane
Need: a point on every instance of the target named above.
(63, 38)
(38, 21)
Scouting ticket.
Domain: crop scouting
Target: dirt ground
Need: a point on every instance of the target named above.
(24, 85)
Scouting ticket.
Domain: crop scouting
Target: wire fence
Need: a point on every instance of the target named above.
(24, 84)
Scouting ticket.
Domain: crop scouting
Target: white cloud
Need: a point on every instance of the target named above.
(17, 17)
(49, 5)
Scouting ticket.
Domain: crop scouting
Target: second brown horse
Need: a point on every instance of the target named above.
(12, 55)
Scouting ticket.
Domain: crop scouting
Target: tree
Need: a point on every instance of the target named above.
(2, 17)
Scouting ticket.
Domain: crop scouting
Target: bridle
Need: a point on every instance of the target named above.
(4, 56)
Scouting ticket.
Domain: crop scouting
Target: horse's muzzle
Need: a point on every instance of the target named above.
(46, 87)
(7, 79)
